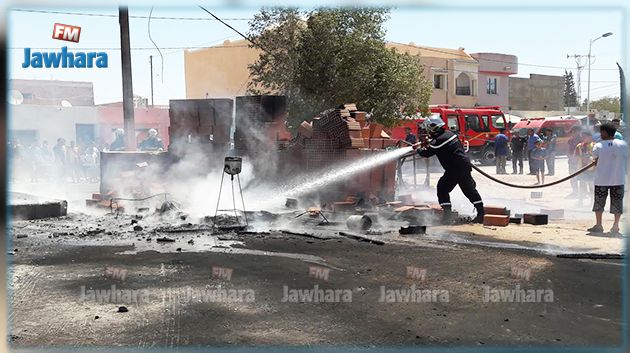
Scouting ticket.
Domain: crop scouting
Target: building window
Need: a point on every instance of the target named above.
(462, 85)
(491, 88)
(438, 81)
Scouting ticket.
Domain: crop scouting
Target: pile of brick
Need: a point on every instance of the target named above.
(337, 137)
(342, 128)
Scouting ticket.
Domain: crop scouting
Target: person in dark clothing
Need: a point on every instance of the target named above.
(501, 151)
(409, 137)
(151, 143)
(119, 141)
(457, 167)
(549, 142)
(518, 144)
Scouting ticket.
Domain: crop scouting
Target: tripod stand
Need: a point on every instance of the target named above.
(238, 224)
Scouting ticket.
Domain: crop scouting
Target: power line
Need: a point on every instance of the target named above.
(215, 18)
(141, 17)
(138, 48)
(227, 25)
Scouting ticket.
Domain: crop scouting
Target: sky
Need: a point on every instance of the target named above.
(540, 38)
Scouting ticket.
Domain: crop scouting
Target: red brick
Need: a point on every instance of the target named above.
(495, 210)
(365, 132)
(356, 134)
(305, 129)
(375, 130)
(357, 142)
(496, 220)
(358, 115)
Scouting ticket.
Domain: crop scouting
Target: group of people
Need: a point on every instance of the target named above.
(604, 146)
(539, 149)
(69, 161)
(151, 143)
(61, 162)
(605, 149)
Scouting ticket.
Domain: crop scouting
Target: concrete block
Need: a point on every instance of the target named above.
(39, 210)
(553, 213)
(535, 218)
(496, 220)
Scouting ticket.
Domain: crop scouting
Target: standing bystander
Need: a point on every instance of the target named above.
(532, 139)
(611, 156)
(501, 151)
(518, 144)
(538, 156)
(549, 139)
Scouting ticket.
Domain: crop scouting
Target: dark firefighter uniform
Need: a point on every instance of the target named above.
(457, 171)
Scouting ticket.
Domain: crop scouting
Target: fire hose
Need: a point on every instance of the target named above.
(532, 186)
(515, 185)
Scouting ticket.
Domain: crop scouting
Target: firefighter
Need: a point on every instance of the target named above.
(152, 143)
(457, 167)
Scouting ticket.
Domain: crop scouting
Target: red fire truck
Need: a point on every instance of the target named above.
(476, 128)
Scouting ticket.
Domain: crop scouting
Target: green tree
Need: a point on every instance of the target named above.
(570, 95)
(611, 104)
(326, 57)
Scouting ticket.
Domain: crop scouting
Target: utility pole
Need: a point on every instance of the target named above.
(151, 64)
(588, 93)
(125, 54)
(580, 66)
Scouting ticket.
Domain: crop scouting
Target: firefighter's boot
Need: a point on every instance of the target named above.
(447, 215)
(480, 213)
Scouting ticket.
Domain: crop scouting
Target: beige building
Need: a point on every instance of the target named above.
(453, 72)
(222, 71)
(218, 72)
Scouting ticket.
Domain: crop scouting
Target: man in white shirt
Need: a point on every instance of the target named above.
(610, 175)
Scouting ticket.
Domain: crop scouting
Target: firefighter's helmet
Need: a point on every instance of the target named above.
(152, 132)
(432, 124)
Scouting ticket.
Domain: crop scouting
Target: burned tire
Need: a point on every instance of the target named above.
(487, 157)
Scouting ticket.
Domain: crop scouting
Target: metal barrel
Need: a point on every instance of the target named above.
(359, 222)
(233, 165)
